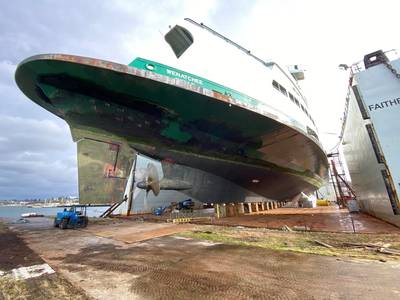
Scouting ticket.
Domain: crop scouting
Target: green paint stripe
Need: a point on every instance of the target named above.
(144, 64)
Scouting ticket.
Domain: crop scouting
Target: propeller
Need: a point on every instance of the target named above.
(148, 179)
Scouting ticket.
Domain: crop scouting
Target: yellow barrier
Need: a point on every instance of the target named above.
(182, 220)
(188, 220)
(322, 202)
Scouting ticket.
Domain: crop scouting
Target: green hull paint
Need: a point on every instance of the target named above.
(172, 114)
(161, 69)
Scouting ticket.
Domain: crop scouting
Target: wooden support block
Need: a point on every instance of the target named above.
(234, 210)
(249, 206)
(220, 210)
(229, 212)
(256, 206)
(223, 210)
(241, 209)
(217, 211)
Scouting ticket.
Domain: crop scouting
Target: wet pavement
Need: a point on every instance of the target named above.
(328, 218)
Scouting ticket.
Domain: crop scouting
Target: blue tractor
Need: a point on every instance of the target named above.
(185, 205)
(73, 217)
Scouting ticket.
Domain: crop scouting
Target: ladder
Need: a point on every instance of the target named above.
(344, 192)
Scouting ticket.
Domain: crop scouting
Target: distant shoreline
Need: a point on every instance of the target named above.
(36, 205)
(15, 211)
(51, 206)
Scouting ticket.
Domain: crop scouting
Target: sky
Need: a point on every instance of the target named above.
(37, 155)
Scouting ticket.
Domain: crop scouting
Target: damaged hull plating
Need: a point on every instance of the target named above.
(226, 137)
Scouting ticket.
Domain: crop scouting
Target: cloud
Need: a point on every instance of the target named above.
(30, 135)
(320, 35)
(37, 156)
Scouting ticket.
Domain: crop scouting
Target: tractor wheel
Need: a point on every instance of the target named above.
(64, 223)
(55, 222)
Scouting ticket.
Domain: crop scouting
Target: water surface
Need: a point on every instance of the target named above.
(14, 212)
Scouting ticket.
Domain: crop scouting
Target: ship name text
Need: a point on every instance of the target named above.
(384, 104)
(185, 77)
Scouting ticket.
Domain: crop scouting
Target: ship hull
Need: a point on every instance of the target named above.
(171, 119)
(370, 142)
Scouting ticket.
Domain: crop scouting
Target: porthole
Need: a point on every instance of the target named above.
(150, 67)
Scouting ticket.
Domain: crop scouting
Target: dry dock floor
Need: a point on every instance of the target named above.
(123, 231)
(328, 219)
(15, 254)
(187, 267)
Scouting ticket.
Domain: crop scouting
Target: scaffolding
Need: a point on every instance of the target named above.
(343, 190)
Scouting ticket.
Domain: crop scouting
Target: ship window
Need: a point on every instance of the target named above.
(312, 132)
(297, 101)
(150, 67)
(180, 39)
(275, 84)
(283, 90)
(291, 97)
(279, 87)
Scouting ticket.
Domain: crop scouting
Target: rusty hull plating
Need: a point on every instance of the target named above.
(202, 131)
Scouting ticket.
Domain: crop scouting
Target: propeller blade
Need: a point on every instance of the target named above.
(151, 180)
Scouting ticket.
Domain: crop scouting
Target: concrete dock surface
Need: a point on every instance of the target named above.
(325, 218)
(133, 232)
(177, 267)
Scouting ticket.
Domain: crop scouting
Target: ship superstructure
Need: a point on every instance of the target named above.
(238, 129)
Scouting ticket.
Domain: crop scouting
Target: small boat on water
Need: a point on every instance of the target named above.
(31, 215)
